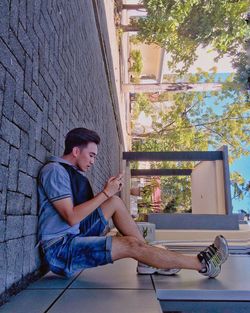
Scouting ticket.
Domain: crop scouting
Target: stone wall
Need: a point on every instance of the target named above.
(52, 79)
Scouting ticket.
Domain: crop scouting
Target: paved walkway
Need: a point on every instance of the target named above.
(117, 288)
(111, 288)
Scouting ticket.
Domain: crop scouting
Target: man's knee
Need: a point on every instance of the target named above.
(132, 243)
(126, 246)
(111, 201)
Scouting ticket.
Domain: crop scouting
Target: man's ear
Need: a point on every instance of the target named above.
(75, 151)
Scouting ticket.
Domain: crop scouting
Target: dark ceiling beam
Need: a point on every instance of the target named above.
(161, 172)
(174, 156)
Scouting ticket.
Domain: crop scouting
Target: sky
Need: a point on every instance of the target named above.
(240, 165)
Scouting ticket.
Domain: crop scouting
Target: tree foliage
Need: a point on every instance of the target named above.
(241, 188)
(182, 26)
(190, 122)
(136, 64)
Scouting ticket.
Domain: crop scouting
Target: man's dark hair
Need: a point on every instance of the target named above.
(79, 137)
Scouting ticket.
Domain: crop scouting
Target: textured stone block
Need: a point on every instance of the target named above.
(14, 261)
(27, 205)
(32, 35)
(45, 114)
(10, 132)
(32, 140)
(1, 102)
(35, 67)
(44, 87)
(25, 41)
(52, 130)
(4, 152)
(40, 152)
(33, 166)
(30, 10)
(30, 225)
(22, 12)
(13, 169)
(25, 184)
(29, 106)
(23, 152)
(44, 27)
(35, 260)
(2, 76)
(34, 199)
(37, 95)
(3, 266)
(21, 118)
(6, 56)
(39, 31)
(15, 203)
(19, 77)
(14, 227)
(3, 188)
(9, 95)
(14, 15)
(2, 230)
(4, 18)
(28, 75)
(46, 140)
(16, 48)
(39, 123)
(37, 8)
(26, 256)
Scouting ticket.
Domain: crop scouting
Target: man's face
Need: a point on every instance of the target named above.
(86, 156)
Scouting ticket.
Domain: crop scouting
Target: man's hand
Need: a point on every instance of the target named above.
(113, 185)
(74, 214)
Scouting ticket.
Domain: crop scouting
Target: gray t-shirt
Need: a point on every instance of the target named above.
(53, 184)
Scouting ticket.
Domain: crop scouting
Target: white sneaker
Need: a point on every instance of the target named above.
(213, 257)
(143, 268)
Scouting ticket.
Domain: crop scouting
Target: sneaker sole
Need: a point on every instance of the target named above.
(145, 271)
(169, 272)
(150, 271)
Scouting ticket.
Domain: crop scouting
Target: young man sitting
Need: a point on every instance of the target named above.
(73, 222)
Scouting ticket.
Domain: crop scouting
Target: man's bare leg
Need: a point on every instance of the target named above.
(114, 207)
(128, 246)
(133, 244)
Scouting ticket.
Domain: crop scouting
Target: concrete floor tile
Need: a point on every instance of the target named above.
(51, 281)
(233, 283)
(30, 301)
(121, 274)
(110, 301)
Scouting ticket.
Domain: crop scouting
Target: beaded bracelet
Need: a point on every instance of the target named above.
(105, 194)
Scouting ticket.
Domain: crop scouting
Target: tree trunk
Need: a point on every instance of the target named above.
(133, 6)
(172, 87)
(130, 28)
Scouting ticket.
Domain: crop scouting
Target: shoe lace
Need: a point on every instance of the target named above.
(210, 255)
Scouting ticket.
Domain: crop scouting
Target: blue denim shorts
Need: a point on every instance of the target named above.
(70, 253)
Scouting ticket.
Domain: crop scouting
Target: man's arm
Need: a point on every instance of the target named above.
(75, 214)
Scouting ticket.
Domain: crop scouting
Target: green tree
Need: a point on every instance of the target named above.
(190, 123)
(181, 26)
(241, 188)
(136, 64)
(176, 194)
